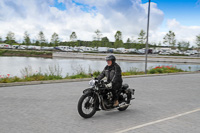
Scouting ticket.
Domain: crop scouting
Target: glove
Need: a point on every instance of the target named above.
(109, 85)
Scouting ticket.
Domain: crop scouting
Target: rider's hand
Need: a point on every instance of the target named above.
(109, 85)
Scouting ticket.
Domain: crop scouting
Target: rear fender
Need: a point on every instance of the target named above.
(132, 91)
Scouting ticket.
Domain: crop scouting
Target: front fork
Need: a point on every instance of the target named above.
(96, 97)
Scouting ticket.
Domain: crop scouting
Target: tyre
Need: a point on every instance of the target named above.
(86, 106)
(127, 101)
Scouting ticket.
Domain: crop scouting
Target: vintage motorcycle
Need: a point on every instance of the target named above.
(99, 97)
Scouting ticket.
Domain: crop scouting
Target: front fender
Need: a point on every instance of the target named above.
(89, 90)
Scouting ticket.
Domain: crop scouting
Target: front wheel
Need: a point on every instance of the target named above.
(86, 106)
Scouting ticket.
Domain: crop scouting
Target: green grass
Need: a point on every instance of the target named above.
(55, 74)
(6, 52)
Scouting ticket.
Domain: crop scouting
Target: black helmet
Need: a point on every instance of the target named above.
(111, 57)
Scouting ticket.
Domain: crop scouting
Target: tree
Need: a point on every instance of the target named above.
(133, 39)
(41, 38)
(105, 41)
(98, 35)
(118, 36)
(183, 45)
(142, 37)
(198, 42)
(27, 40)
(159, 44)
(169, 38)
(10, 38)
(118, 39)
(128, 40)
(73, 37)
(55, 39)
(1, 40)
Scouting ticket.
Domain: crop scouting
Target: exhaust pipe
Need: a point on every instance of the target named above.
(125, 105)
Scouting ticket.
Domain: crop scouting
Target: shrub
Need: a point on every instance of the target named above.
(164, 69)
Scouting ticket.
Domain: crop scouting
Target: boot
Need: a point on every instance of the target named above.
(116, 103)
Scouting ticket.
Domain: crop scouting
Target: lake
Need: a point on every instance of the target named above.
(13, 65)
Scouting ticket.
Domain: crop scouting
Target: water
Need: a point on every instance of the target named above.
(13, 65)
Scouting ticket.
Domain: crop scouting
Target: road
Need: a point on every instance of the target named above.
(129, 57)
(163, 104)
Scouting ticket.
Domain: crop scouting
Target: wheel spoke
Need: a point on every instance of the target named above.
(87, 109)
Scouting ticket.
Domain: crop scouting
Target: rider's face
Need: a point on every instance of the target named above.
(109, 62)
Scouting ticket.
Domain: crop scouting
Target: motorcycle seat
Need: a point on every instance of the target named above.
(125, 86)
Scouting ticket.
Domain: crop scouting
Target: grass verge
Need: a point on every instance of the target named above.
(54, 73)
(27, 53)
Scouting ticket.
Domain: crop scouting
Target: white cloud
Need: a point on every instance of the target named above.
(109, 16)
(186, 33)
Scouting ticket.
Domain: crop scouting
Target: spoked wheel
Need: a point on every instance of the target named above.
(127, 99)
(86, 106)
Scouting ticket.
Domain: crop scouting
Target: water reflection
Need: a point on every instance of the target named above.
(13, 65)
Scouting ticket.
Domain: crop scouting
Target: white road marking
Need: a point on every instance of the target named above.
(158, 121)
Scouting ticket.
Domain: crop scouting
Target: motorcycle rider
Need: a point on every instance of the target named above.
(112, 72)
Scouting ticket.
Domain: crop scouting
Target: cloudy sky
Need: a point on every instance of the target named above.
(85, 16)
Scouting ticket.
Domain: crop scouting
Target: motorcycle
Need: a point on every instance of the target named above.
(99, 97)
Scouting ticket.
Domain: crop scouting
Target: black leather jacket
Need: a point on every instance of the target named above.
(112, 73)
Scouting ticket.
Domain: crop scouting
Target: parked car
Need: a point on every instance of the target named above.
(31, 47)
(47, 48)
(62, 48)
(22, 47)
(192, 52)
(132, 50)
(88, 49)
(140, 51)
(176, 51)
(103, 49)
(150, 51)
(180, 52)
(15, 46)
(187, 53)
(76, 49)
(155, 51)
(121, 50)
(6, 46)
(110, 50)
(164, 53)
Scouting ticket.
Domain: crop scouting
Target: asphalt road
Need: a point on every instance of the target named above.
(163, 104)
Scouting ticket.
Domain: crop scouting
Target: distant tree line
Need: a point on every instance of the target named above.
(99, 40)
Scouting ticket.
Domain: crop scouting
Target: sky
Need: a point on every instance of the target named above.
(109, 16)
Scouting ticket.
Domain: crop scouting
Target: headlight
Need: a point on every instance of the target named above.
(92, 82)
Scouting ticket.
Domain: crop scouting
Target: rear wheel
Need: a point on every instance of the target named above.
(86, 106)
(127, 101)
